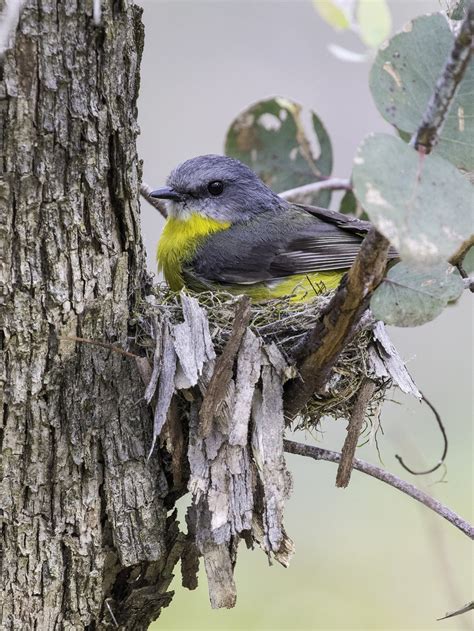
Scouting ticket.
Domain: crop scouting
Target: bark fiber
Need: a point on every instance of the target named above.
(85, 541)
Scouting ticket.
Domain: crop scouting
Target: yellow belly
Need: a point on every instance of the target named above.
(178, 243)
(299, 287)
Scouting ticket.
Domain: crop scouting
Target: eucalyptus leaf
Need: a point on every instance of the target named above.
(422, 204)
(348, 205)
(410, 296)
(402, 80)
(270, 138)
(374, 20)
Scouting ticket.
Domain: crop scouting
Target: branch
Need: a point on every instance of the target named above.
(333, 184)
(319, 350)
(145, 191)
(427, 135)
(384, 476)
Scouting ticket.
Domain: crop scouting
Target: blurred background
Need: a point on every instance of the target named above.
(366, 557)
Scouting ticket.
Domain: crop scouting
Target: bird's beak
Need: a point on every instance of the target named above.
(166, 193)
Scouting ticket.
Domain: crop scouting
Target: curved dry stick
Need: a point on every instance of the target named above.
(445, 441)
(384, 476)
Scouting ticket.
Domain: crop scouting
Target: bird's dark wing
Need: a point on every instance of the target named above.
(332, 243)
(350, 224)
(297, 240)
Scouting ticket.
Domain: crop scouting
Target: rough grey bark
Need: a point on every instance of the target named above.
(84, 533)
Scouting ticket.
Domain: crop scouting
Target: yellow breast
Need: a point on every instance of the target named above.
(178, 243)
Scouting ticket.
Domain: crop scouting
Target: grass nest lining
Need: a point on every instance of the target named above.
(285, 323)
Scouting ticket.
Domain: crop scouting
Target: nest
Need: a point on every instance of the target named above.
(284, 323)
(231, 376)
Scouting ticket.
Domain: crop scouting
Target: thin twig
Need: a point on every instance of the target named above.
(462, 251)
(359, 410)
(445, 443)
(114, 619)
(145, 192)
(384, 476)
(458, 612)
(458, 258)
(427, 134)
(332, 184)
(110, 347)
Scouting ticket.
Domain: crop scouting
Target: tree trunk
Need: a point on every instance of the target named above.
(85, 541)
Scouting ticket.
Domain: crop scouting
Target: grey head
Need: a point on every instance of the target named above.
(217, 187)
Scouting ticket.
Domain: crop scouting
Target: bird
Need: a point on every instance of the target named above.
(227, 230)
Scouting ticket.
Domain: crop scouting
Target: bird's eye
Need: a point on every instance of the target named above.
(215, 188)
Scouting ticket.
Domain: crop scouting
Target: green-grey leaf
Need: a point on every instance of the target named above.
(411, 296)
(422, 204)
(270, 137)
(348, 205)
(402, 80)
(373, 17)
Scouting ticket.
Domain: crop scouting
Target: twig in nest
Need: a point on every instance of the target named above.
(344, 470)
(445, 439)
(384, 476)
(217, 388)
